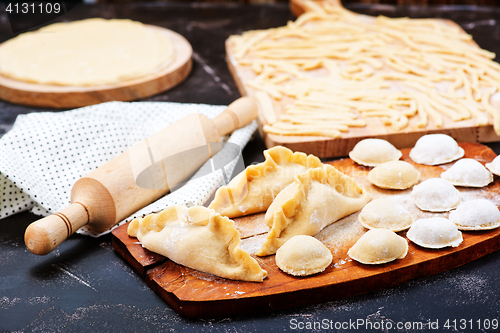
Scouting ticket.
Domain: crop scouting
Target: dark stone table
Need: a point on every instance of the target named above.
(84, 286)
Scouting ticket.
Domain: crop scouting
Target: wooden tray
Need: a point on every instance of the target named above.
(462, 131)
(196, 294)
(54, 96)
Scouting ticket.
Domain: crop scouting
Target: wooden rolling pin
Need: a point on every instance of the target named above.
(110, 193)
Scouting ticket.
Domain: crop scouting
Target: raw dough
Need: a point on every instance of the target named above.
(434, 233)
(396, 175)
(378, 246)
(372, 152)
(468, 172)
(331, 62)
(86, 53)
(434, 149)
(435, 195)
(198, 238)
(254, 189)
(479, 214)
(385, 214)
(316, 199)
(303, 255)
(494, 166)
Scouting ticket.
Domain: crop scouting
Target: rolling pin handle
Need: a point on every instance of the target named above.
(239, 113)
(43, 236)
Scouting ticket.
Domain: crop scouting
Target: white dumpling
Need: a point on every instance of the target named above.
(434, 149)
(396, 175)
(303, 255)
(378, 246)
(435, 195)
(479, 214)
(494, 166)
(468, 172)
(372, 152)
(435, 233)
(386, 214)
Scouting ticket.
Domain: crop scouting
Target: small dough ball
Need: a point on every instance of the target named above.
(479, 214)
(378, 246)
(372, 152)
(494, 166)
(434, 149)
(468, 172)
(386, 214)
(303, 255)
(435, 233)
(435, 195)
(396, 175)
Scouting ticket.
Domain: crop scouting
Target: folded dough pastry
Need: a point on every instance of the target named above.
(254, 189)
(379, 246)
(373, 152)
(385, 214)
(435, 195)
(435, 233)
(198, 238)
(316, 199)
(478, 214)
(435, 149)
(469, 173)
(303, 255)
(494, 166)
(396, 175)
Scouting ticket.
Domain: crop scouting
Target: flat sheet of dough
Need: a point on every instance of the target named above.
(86, 53)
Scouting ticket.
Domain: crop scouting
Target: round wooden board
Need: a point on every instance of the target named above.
(55, 96)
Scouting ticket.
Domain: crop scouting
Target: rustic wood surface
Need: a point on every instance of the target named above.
(463, 131)
(54, 96)
(195, 294)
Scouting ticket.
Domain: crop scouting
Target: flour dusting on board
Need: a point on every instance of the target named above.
(342, 233)
(252, 244)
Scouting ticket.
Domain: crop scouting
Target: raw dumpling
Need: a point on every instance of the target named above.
(303, 255)
(494, 166)
(254, 189)
(396, 175)
(434, 233)
(468, 172)
(479, 214)
(434, 149)
(198, 238)
(435, 195)
(386, 214)
(316, 199)
(372, 152)
(379, 246)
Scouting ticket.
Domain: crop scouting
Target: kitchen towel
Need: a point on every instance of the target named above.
(45, 153)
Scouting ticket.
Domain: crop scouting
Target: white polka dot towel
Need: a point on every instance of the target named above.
(45, 153)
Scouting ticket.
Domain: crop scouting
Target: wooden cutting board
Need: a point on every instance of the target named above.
(54, 96)
(200, 295)
(462, 131)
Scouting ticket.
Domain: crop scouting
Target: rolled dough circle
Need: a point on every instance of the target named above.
(90, 52)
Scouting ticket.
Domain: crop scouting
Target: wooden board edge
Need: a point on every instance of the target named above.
(125, 249)
(211, 309)
(328, 147)
(394, 273)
